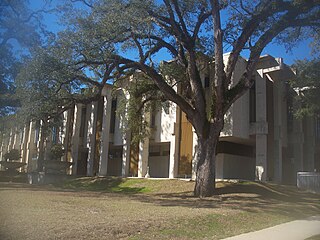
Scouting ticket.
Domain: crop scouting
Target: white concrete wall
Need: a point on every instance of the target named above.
(237, 119)
(164, 123)
(75, 140)
(119, 136)
(158, 166)
(234, 166)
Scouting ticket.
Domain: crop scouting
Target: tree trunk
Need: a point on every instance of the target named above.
(206, 155)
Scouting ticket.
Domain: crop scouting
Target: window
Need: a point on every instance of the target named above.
(252, 106)
(83, 122)
(206, 82)
(318, 128)
(36, 137)
(113, 115)
(54, 135)
(290, 110)
(37, 132)
(153, 118)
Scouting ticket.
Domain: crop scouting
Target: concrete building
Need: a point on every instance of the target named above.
(261, 138)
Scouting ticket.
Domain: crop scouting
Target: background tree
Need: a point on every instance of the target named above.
(46, 88)
(307, 86)
(20, 30)
(109, 40)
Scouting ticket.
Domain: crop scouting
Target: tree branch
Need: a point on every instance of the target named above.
(181, 20)
(270, 9)
(201, 18)
(288, 20)
(218, 53)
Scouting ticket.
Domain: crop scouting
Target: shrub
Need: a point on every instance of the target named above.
(57, 151)
(13, 154)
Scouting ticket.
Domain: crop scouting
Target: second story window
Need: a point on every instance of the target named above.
(206, 82)
(252, 103)
(317, 126)
(113, 115)
(54, 135)
(83, 122)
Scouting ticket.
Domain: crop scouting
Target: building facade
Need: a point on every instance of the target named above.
(261, 138)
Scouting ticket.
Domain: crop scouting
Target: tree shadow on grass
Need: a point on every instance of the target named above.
(249, 197)
(84, 184)
(245, 196)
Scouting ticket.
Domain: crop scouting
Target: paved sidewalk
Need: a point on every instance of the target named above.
(295, 230)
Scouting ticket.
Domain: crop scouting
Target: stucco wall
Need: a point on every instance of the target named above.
(164, 123)
(237, 119)
(234, 167)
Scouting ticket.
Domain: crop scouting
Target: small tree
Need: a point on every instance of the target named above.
(307, 85)
(57, 151)
(13, 154)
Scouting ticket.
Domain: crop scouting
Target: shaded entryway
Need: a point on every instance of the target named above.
(114, 160)
(159, 160)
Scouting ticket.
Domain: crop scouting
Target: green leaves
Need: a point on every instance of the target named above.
(307, 86)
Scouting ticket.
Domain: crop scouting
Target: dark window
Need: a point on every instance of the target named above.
(206, 82)
(318, 128)
(252, 107)
(83, 121)
(36, 139)
(37, 132)
(54, 135)
(153, 118)
(113, 115)
(290, 109)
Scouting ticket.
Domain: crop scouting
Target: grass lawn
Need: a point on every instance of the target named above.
(115, 208)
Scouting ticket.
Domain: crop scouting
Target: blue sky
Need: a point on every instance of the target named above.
(300, 51)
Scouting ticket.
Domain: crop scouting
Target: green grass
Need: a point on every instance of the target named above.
(110, 184)
(123, 185)
(7, 176)
(117, 208)
(215, 226)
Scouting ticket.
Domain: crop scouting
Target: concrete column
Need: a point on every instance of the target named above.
(309, 144)
(105, 139)
(175, 144)
(76, 137)
(24, 143)
(9, 147)
(143, 157)
(278, 161)
(40, 134)
(261, 157)
(261, 128)
(63, 132)
(126, 154)
(91, 137)
(2, 138)
(194, 154)
(144, 151)
(297, 141)
(15, 139)
(173, 163)
(277, 118)
(68, 137)
(2, 146)
(31, 148)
